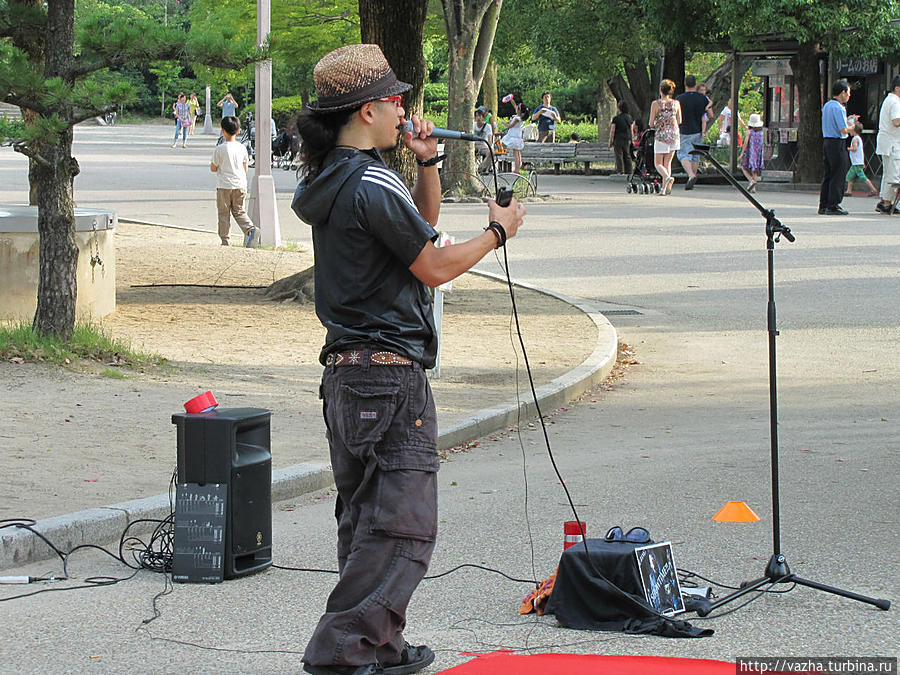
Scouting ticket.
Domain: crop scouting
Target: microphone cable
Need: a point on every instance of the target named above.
(626, 597)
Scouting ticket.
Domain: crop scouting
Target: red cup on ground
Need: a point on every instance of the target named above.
(202, 403)
(573, 531)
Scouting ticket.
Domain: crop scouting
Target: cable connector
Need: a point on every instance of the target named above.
(16, 580)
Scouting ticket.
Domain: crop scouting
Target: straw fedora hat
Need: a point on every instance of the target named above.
(755, 121)
(353, 75)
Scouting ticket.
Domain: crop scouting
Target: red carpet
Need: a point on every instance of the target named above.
(505, 663)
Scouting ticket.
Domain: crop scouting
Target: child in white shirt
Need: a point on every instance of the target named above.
(229, 163)
(857, 163)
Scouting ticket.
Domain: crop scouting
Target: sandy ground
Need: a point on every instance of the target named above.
(74, 438)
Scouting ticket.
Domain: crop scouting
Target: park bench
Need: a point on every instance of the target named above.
(554, 153)
(567, 153)
(585, 153)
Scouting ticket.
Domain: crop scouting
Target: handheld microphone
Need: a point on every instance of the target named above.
(442, 133)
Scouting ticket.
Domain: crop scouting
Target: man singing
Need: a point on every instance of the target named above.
(375, 259)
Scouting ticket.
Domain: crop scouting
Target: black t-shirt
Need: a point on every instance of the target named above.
(366, 233)
(622, 127)
(693, 105)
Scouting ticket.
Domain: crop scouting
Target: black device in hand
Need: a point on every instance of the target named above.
(504, 196)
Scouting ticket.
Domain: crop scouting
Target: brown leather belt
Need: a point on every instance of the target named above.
(362, 357)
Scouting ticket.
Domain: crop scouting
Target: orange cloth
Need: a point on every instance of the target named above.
(538, 598)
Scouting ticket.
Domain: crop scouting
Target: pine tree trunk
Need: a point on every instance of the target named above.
(398, 27)
(57, 290)
(809, 166)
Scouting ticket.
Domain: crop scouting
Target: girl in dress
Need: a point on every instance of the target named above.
(513, 137)
(665, 116)
(751, 157)
(195, 108)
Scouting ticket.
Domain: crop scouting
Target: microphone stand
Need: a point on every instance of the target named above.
(777, 570)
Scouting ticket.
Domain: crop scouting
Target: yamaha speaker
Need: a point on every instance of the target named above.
(232, 447)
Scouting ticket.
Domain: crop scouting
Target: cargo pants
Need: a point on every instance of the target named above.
(382, 432)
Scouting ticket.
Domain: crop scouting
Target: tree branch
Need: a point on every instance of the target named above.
(25, 103)
(88, 114)
(22, 147)
(84, 65)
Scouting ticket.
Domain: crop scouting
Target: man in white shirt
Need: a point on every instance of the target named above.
(888, 146)
(484, 130)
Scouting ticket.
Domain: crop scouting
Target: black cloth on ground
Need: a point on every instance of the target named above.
(612, 602)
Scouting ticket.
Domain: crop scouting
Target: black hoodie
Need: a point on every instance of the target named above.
(366, 233)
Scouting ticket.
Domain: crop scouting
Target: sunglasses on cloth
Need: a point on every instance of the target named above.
(637, 535)
(397, 100)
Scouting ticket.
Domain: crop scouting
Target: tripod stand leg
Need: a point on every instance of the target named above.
(743, 590)
(879, 603)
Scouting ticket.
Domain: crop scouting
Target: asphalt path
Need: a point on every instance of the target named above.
(683, 279)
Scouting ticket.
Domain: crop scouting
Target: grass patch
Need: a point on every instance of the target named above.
(88, 342)
(292, 246)
(113, 374)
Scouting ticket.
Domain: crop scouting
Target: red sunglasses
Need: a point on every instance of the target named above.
(397, 100)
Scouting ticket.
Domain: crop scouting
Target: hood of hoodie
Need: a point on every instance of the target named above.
(314, 199)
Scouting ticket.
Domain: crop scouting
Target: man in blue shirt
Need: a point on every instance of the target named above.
(546, 116)
(228, 105)
(835, 127)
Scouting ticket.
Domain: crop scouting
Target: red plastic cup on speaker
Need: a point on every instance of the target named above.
(202, 403)
(573, 532)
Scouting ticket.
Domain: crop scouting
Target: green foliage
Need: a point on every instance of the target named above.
(439, 117)
(842, 27)
(586, 130)
(702, 64)
(308, 31)
(526, 77)
(111, 37)
(436, 96)
(88, 341)
(284, 110)
(437, 58)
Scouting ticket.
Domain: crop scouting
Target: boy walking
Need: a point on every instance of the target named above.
(229, 163)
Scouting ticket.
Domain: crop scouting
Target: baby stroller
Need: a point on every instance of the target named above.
(282, 150)
(644, 177)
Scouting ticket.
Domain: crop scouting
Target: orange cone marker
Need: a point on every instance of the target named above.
(735, 512)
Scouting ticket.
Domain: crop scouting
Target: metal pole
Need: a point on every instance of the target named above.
(207, 121)
(263, 210)
(735, 114)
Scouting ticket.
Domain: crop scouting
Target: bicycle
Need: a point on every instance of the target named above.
(472, 184)
(524, 183)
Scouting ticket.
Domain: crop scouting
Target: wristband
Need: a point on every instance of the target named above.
(498, 231)
(431, 162)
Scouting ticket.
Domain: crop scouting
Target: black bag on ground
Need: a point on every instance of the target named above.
(613, 601)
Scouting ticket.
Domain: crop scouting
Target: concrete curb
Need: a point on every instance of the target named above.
(552, 395)
(103, 525)
(106, 524)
